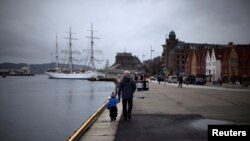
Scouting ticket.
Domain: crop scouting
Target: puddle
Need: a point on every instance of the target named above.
(139, 97)
(202, 124)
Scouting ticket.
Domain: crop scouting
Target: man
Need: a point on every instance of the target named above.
(136, 79)
(180, 81)
(126, 89)
(159, 79)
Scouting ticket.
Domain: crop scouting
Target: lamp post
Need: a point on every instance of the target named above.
(209, 71)
(151, 50)
(151, 61)
(142, 56)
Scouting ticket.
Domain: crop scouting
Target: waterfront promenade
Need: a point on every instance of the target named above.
(166, 112)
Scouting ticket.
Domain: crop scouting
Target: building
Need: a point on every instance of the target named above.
(188, 62)
(243, 52)
(213, 64)
(125, 61)
(201, 64)
(193, 63)
(224, 65)
(227, 62)
(235, 63)
(153, 66)
(218, 52)
(176, 53)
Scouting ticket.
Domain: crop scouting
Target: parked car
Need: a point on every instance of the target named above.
(172, 79)
(160, 77)
(196, 80)
(152, 78)
(190, 79)
(200, 80)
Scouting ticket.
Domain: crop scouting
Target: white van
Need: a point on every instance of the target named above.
(172, 79)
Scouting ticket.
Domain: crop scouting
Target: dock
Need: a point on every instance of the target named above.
(115, 80)
(166, 112)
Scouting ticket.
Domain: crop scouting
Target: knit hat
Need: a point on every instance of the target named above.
(113, 95)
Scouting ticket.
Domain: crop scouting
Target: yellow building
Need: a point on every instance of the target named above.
(193, 64)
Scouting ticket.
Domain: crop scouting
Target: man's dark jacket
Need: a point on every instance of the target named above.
(126, 88)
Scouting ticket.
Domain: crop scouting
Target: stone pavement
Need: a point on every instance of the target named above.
(229, 87)
(103, 129)
(166, 112)
(160, 127)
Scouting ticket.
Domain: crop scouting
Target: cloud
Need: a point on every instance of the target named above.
(28, 27)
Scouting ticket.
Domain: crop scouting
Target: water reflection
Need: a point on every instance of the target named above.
(48, 109)
(92, 91)
(70, 97)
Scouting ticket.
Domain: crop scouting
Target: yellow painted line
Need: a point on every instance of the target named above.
(88, 123)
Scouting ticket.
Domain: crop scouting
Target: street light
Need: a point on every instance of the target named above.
(142, 56)
(151, 52)
(209, 71)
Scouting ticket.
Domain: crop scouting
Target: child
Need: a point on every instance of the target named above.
(112, 107)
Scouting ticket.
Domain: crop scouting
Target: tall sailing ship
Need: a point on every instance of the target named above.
(69, 73)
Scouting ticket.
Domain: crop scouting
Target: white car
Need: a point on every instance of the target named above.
(152, 78)
(172, 79)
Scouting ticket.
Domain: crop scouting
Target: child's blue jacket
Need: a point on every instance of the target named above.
(112, 102)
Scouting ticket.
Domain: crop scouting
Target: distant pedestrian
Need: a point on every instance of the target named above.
(136, 78)
(112, 106)
(126, 89)
(159, 79)
(141, 78)
(219, 81)
(180, 81)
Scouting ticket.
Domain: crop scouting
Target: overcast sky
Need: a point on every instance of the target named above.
(28, 28)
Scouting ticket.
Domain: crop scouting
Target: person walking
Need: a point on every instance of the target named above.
(136, 79)
(159, 79)
(112, 106)
(180, 81)
(126, 88)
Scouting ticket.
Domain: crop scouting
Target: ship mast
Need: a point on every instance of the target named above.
(57, 58)
(92, 58)
(70, 50)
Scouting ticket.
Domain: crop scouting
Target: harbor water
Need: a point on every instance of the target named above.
(38, 108)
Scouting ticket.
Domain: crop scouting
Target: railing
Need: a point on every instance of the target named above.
(77, 134)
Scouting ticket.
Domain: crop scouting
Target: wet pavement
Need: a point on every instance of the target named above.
(144, 127)
(103, 129)
(177, 114)
(224, 87)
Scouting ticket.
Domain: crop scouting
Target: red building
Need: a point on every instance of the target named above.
(227, 62)
(201, 61)
(243, 52)
(230, 72)
(188, 62)
(224, 64)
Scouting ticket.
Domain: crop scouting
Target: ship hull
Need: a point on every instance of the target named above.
(85, 75)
